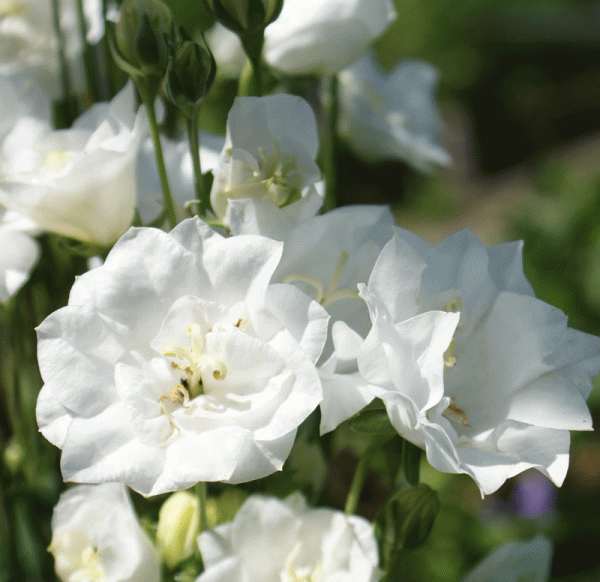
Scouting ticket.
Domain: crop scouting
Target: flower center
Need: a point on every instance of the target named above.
(280, 179)
(322, 296)
(454, 412)
(302, 574)
(55, 161)
(194, 366)
(90, 569)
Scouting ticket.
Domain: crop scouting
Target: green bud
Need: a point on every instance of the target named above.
(243, 16)
(139, 41)
(406, 520)
(14, 455)
(178, 527)
(190, 74)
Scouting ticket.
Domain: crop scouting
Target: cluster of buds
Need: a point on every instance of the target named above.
(146, 44)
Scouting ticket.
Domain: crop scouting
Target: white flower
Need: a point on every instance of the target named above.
(470, 365)
(176, 362)
(515, 562)
(180, 172)
(323, 37)
(326, 257)
(269, 155)
(19, 252)
(96, 537)
(270, 539)
(227, 49)
(391, 116)
(78, 182)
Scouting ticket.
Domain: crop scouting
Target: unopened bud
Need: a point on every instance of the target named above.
(243, 16)
(178, 527)
(14, 455)
(190, 74)
(139, 41)
(407, 518)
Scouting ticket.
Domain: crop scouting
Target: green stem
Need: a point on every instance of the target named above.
(252, 43)
(329, 160)
(115, 78)
(89, 66)
(192, 129)
(160, 161)
(200, 490)
(64, 69)
(361, 472)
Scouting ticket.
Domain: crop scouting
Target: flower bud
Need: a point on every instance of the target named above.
(190, 74)
(243, 16)
(178, 526)
(407, 519)
(139, 41)
(14, 455)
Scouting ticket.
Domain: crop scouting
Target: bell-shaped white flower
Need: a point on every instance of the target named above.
(272, 539)
(269, 155)
(19, 252)
(326, 257)
(96, 537)
(78, 182)
(470, 365)
(391, 116)
(176, 362)
(322, 37)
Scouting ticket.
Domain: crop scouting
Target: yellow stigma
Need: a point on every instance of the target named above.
(191, 384)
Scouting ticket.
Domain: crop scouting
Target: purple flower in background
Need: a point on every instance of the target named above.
(533, 495)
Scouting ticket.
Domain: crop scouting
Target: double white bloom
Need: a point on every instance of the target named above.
(176, 362)
(96, 537)
(78, 182)
(270, 539)
(470, 365)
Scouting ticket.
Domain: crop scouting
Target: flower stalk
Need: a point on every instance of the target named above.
(361, 472)
(160, 163)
